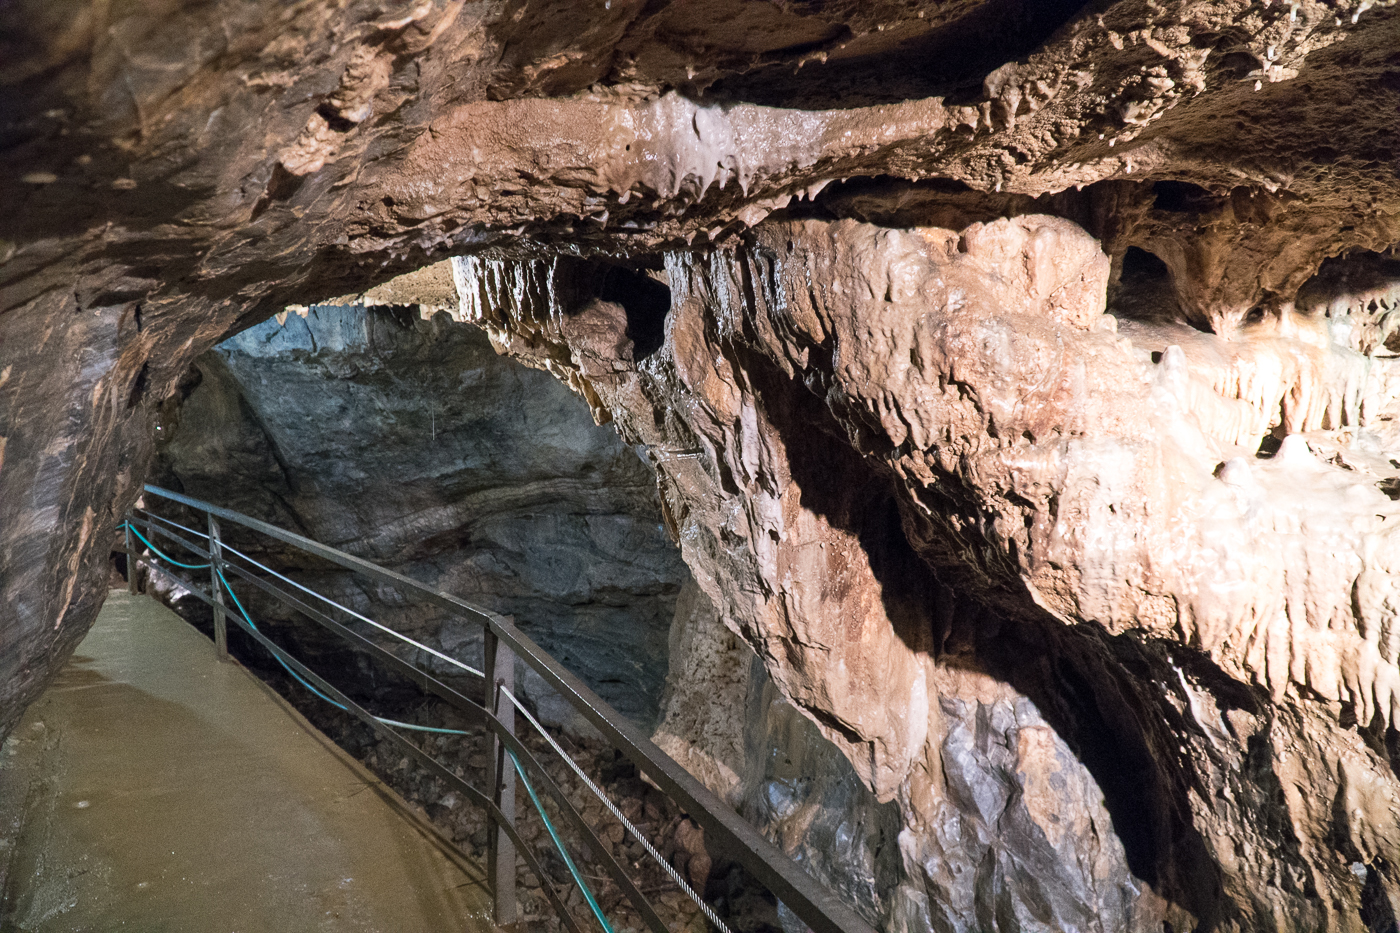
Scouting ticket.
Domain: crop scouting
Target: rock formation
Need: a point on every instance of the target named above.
(411, 443)
(989, 354)
(1020, 836)
(889, 451)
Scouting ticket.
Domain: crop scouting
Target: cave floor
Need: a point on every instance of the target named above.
(153, 788)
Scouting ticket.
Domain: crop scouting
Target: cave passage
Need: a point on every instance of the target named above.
(965, 436)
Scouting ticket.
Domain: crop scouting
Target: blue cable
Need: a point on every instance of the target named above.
(409, 725)
(243, 612)
(299, 679)
(534, 798)
(558, 844)
(246, 618)
(161, 554)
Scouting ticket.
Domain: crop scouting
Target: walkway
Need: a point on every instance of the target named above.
(155, 789)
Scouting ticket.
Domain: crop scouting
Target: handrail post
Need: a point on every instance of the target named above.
(500, 853)
(130, 558)
(216, 566)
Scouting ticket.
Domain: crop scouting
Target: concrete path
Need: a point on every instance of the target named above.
(155, 789)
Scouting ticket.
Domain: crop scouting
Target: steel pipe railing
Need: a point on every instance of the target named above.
(821, 911)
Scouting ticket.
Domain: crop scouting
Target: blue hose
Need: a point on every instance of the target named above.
(299, 679)
(558, 844)
(246, 618)
(534, 798)
(409, 725)
(161, 554)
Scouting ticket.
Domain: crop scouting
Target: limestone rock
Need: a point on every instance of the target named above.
(703, 710)
(897, 436)
(409, 442)
(860, 423)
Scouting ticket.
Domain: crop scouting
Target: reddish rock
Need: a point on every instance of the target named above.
(898, 440)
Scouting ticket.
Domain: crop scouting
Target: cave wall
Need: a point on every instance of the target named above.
(1020, 836)
(890, 452)
(1213, 644)
(408, 441)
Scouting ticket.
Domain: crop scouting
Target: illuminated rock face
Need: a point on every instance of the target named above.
(906, 454)
(888, 453)
(1010, 830)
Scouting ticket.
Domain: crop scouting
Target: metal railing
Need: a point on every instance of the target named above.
(494, 708)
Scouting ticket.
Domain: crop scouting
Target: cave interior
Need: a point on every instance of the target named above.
(964, 435)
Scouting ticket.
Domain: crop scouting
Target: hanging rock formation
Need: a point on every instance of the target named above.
(993, 353)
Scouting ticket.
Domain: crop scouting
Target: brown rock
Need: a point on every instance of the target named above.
(897, 439)
(691, 858)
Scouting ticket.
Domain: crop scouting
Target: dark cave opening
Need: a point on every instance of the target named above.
(1141, 266)
(1143, 290)
(646, 301)
(1181, 197)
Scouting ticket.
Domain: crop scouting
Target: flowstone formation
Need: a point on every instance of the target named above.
(1024, 351)
(891, 452)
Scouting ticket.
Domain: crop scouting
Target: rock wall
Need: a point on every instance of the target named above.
(892, 452)
(1020, 836)
(704, 709)
(897, 434)
(410, 443)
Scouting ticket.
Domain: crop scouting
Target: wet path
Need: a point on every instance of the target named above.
(155, 789)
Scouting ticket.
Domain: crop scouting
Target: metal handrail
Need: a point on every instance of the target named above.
(476, 714)
(819, 909)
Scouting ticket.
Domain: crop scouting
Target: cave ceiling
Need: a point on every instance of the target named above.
(238, 148)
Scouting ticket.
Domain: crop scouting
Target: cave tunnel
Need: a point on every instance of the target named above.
(731, 466)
